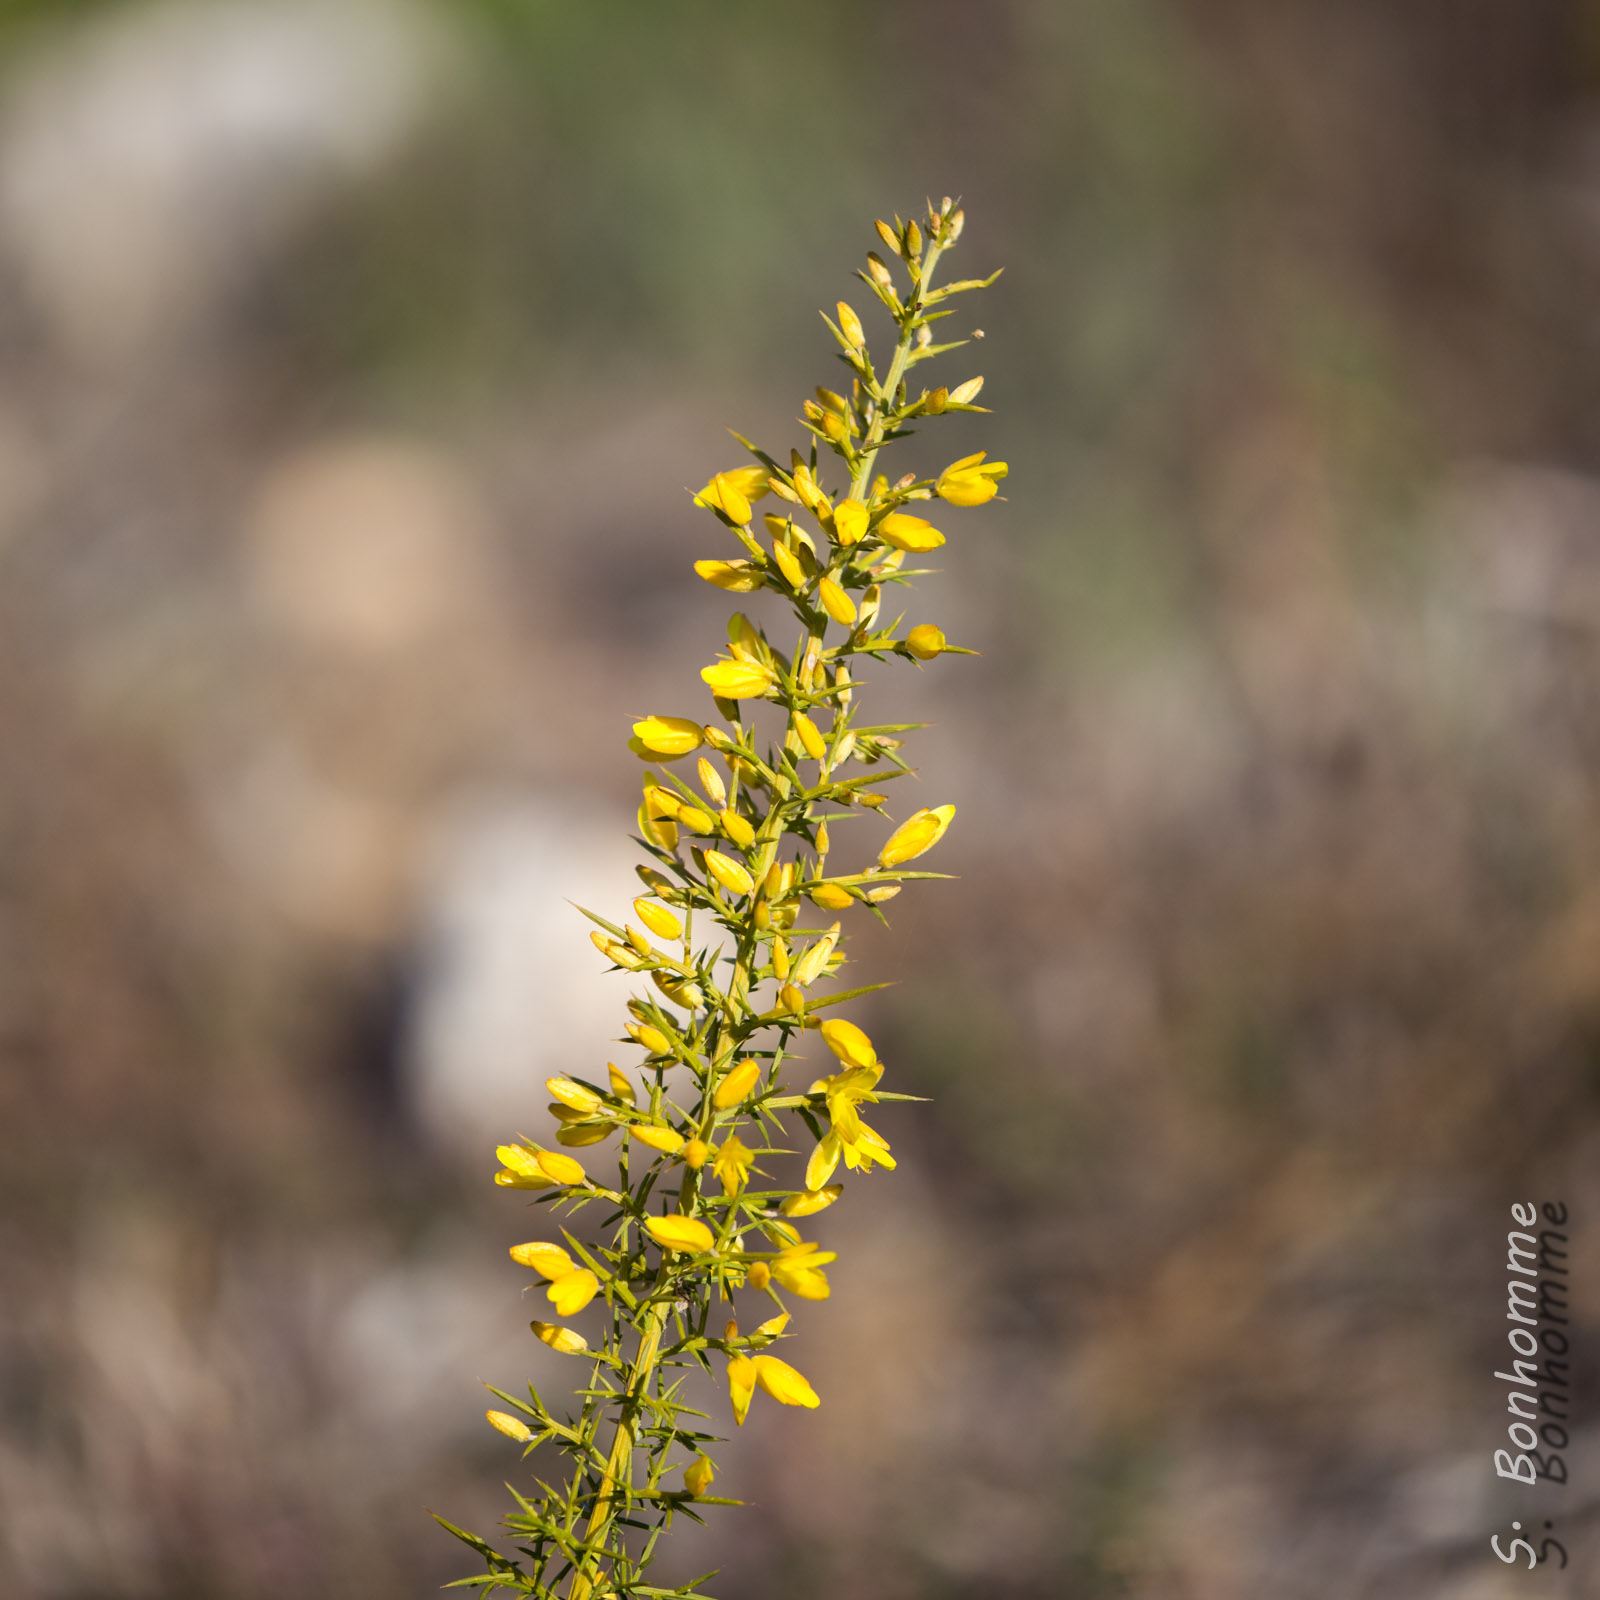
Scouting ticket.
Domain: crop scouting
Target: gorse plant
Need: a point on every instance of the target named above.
(731, 969)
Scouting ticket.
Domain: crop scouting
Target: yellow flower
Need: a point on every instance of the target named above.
(522, 1170)
(799, 1270)
(849, 521)
(783, 1383)
(738, 680)
(698, 1475)
(665, 738)
(664, 1139)
(572, 1291)
(849, 1043)
(729, 873)
(966, 483)
(749, 482)
(921, 831)
(732, 1164)
(737, 1085)
(737, 576)
(510, 1426)
(809, 1201)
(681, 1233)
(906, 532)
(925, 641)
(567, 1340)
(658, 919)
(836, 602)
(549, 1260)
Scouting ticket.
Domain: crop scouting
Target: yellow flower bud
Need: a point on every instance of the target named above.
(737, 828)
(737, 577)
(888, 235)
(667, 738)
(572, 1094)
(836, 602)
(965, 393)
(919, 832)
(711, 781)
(925, 641)
(790, 999)
(697, 1476)
(810, 966)
(809, 1201)
(549, 1260)
(694, 819)
(849, 1043)
(831, 897)
(728, 873)
(561, 1169)
(780, 958)
(678, 990)
(906, 532)
(653, 1039)
(849, 521)
(663, 1139)
(620, 1086)
(658, 919)
(687, 1234)
(730, 1329)
(762, 916)
(737, 1085)
(789, 565)
(572, 1291)
(510, 1426)
(783, 1383)
(722, 494)
(823, 840)
(850, 326)
(567, 1340)
(759, 1275)
(696, 1153)
(737, 680)
(810, 736)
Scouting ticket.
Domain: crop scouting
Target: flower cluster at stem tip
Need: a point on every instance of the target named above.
(730, 949)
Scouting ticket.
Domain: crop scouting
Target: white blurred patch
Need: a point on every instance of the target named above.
(512, 990)
(166, 149)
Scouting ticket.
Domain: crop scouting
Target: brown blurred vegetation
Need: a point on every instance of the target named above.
(356, 356)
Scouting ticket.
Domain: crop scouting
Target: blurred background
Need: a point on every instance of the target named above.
(356, 357)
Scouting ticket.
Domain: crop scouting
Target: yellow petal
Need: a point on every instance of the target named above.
(737, 680)
(567, 1340)
(667, 738)
(810, 1201)
(783, 1383)
(741, 1386)
(572, 1291)
(665, 1139)
(549, 1260)
(653, 1039)
(737, 577)
(906, 532)
(849, 521)
(823, 1160)
(523, 1162)
(572, 1094)
(620, 1086)
(561, 1169)
(681, 1233)
(849, 1043)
